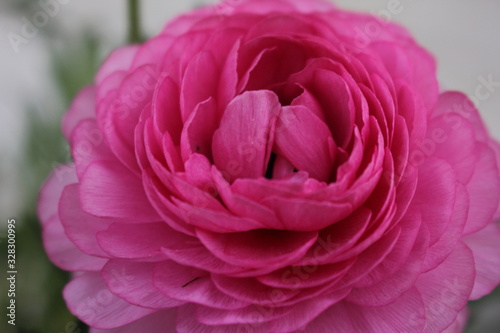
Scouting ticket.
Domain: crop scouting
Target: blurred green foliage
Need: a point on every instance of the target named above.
(41, 308)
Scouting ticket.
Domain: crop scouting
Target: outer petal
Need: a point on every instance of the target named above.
(407, 314)
(161, 321)
(446, 289)
(485, 246)
(90, 300)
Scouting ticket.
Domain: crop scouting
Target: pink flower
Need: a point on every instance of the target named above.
(274, 166)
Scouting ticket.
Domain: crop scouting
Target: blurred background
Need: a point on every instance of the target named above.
(39, 78)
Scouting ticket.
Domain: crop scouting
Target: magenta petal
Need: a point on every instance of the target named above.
(135, 241)
(110, 190)
(199, 82)
(198, 130)
(242, 145)
(305, 313)
(484, 190)
(166, 108)
(485, 246)
(299, 214)
(192, 285)
(254, 315)
(438, 252)
(410, 248)
(446, 289)
(252, 291)
(305, 140)
(251, 249)
(187, 323)
(133, 282)
(90, 300)
(392, 286)
(406, 314)
(119, 118)
(156, 322)
(459, 325)
(435, 196)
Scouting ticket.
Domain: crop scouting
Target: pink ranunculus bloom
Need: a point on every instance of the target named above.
(274, 166)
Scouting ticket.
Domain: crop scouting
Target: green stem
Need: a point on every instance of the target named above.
(134, 32)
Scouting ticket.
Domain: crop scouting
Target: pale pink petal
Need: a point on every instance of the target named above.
(133, 282)
(63, 253)
(83, 107)
(484, 190)
(135, 241)
(446, 289)
(88, 146)
(52, 190)
(90, 300)
(157, 322)
(80, 227)
(485, 246)
(107, 189)
(119, 60)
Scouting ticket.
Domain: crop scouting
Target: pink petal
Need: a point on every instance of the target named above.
(166, 108)
(307, 215)
(252, 291)
(407, 254)
(192, 285)
(199, 129)
(133, 282)
(254, 315)
(199, 82)
(439, 251)
(304, 140)
(336, 239)
(108, 189)
(119, 118)
(187, 323)
(242, 145)
(90, 300)
(251, 249)
(406, 314)
(119, 60)
(459, 324)
(80, 227)
(161, 320)
(457, 145)
(485, 246)
(88, 146)
(135, 241)
(446, 289)
(51, 192)
(435, 196)
(392, 286)
(483, 189)
(63, 253)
